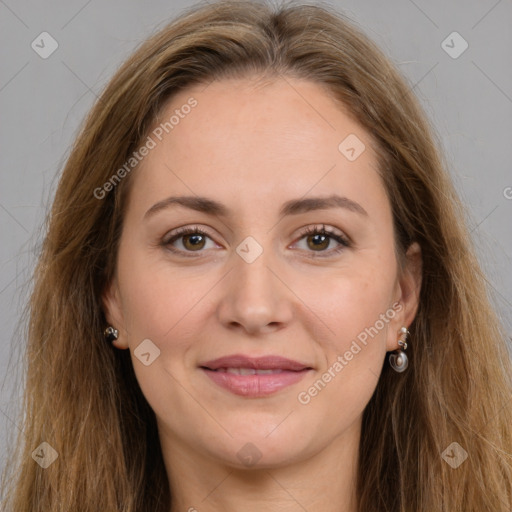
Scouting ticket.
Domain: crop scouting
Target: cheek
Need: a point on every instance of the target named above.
(157, 299)
(164, 306)
(357, 309)
(353, 302)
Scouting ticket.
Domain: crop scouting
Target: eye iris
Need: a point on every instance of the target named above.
(197, 241)
(323, 239)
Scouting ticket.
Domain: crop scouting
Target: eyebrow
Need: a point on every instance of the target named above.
(292, 207)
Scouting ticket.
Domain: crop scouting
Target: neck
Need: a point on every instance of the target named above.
(323, 482)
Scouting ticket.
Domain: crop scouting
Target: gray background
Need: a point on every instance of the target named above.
(43, 101)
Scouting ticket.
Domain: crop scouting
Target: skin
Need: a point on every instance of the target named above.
(253, 146)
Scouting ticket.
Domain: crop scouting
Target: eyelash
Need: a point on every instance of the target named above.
(308, 231)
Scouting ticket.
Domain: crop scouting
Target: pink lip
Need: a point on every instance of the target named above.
(288, 372)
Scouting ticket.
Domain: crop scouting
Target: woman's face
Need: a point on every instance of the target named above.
(307, 317)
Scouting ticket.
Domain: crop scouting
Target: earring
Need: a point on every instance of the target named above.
(398, 359)
(111, 334)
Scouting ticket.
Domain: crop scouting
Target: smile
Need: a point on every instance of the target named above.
(254, 377)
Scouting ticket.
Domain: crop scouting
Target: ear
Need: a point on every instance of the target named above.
(114, 313)
(407, 294)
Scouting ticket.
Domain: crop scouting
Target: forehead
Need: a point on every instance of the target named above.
(251, 140)
(285, 118)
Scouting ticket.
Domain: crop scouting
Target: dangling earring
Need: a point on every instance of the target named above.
(398, 359)
(111, 334)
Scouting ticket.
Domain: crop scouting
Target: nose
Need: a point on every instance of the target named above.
(254, 297)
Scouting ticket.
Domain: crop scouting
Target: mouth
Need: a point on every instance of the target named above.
(254, 377)
(247, 371)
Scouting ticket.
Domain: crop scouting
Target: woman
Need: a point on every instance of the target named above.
(256, 209)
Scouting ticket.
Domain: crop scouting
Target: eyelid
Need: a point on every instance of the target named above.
(343, 241)
(322, 228)
(178, 233)
(185, 230)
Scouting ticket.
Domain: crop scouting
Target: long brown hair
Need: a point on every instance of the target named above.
(81, 395)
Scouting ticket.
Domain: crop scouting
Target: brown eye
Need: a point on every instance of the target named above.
(187, 240)
(318, 242)
(193, 242)
(321, 241)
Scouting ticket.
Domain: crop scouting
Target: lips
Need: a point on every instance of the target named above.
(254, 377)
(256, 363)
(247, 371)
